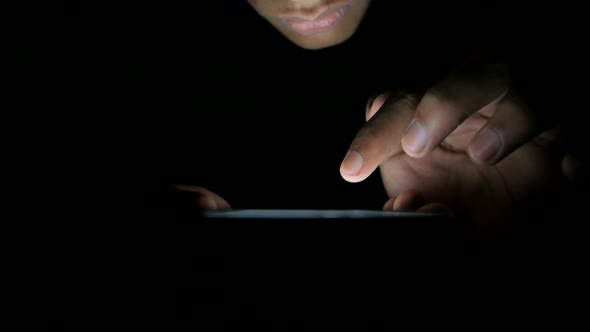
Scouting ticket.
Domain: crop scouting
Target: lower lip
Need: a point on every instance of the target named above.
(320, 25)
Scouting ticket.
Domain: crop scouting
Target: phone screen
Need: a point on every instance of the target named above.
(316, 214)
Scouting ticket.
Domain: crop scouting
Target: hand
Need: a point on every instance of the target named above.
(199, 198)
(470, 142)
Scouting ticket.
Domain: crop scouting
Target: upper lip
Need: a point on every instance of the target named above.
(323, 13)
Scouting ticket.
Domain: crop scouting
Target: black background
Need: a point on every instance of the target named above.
(209, 94)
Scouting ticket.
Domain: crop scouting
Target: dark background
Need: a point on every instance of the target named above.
(214, 96)
(209, 94)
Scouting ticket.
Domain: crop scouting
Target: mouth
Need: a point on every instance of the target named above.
(325, 22)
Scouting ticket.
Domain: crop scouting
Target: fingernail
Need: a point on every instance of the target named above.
(352, 163)
(486, 145)
(415, 137)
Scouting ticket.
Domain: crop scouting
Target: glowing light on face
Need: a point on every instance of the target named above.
(313, 24)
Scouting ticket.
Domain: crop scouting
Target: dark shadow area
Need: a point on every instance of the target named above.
(152, 95)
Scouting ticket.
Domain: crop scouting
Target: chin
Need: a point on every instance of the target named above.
(318, 42)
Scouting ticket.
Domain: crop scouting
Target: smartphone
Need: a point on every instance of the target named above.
(317, 214)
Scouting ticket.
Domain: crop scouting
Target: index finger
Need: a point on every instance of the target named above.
(380, 138)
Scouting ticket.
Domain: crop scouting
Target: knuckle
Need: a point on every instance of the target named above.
(374, 104)
(406, 98)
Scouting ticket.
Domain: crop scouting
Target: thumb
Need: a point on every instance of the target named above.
(199, 197)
